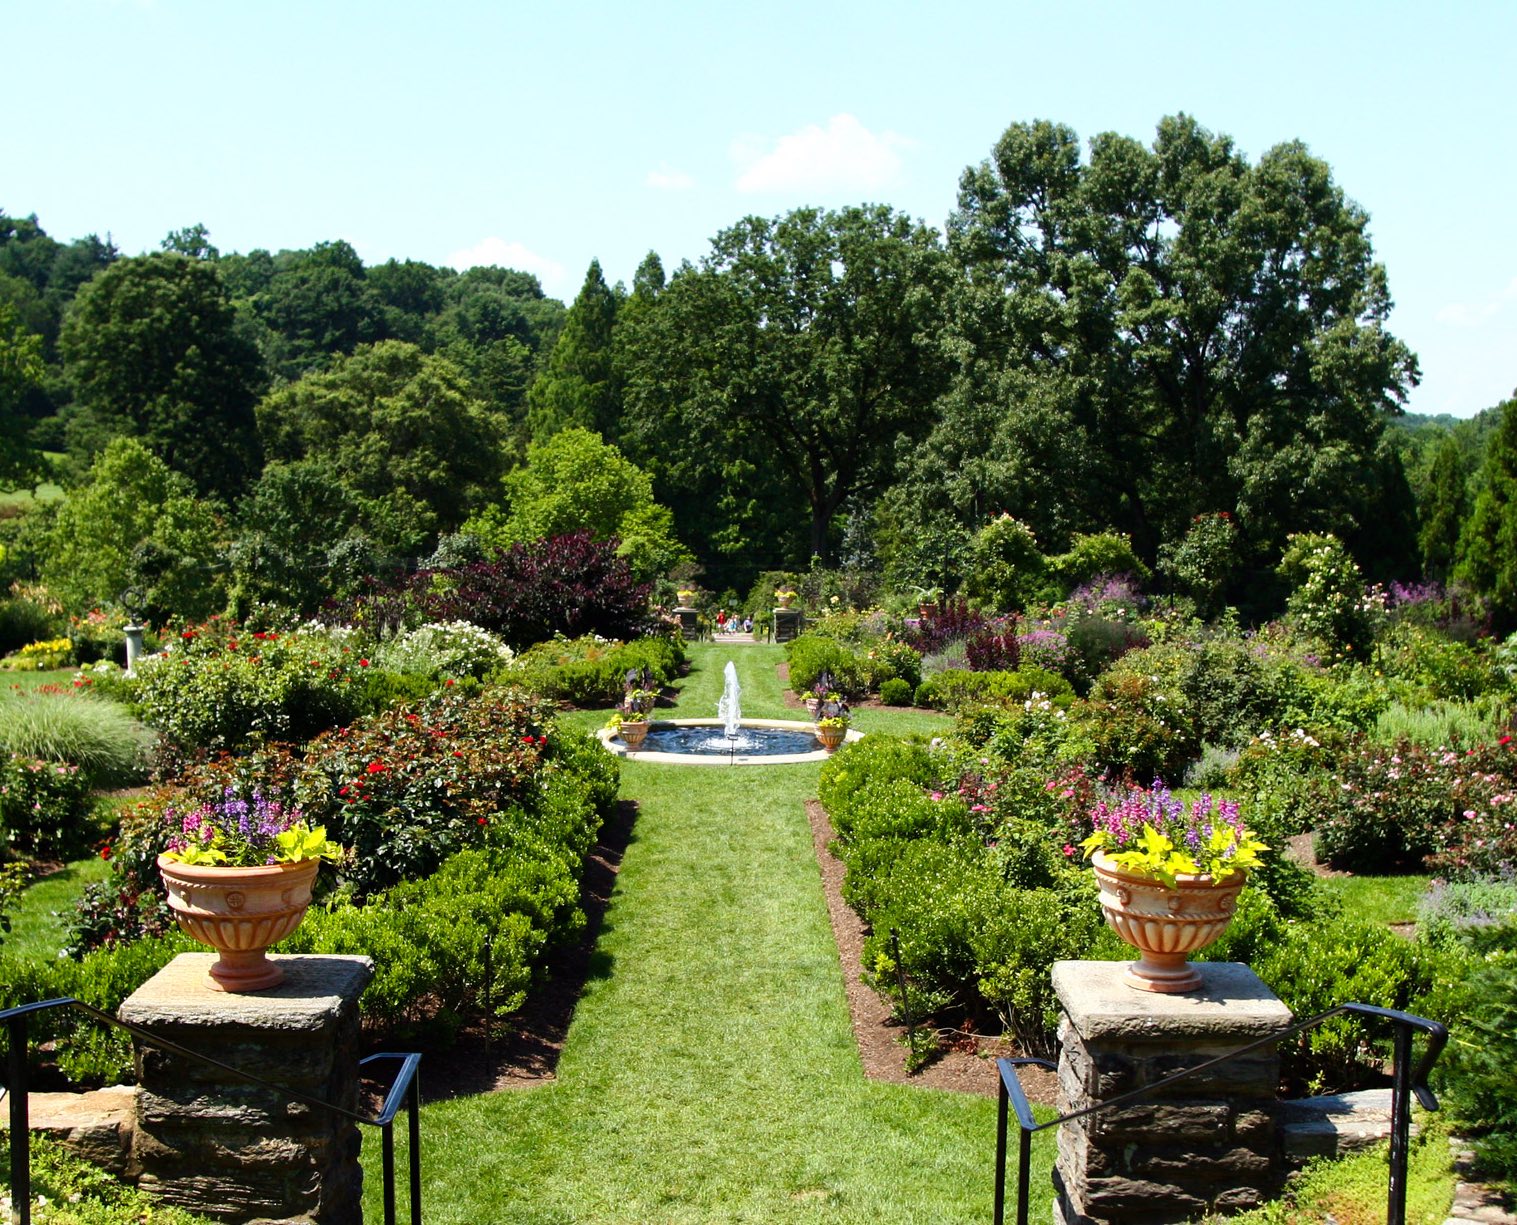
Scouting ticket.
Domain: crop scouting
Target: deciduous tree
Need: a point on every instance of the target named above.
(804, 349)
(152, 349)
(401, 427)
(1162, 331)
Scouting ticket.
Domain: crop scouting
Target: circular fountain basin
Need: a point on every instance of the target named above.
(704, 742)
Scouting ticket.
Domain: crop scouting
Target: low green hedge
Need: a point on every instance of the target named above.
(955, 688)
(591, 671)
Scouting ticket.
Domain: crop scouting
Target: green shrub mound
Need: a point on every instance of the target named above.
(812, 656)
(955, 688)
(592, 671)
(897, 691)
(469, 817)
(219, 687)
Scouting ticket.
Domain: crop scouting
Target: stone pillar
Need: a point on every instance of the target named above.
(237, 1152)
(788, 623)
(1207, 1144)
(133, 646)
(689, 622)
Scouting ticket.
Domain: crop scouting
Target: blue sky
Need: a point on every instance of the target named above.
(543, 135)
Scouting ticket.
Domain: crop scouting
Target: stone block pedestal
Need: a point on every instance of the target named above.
(233, 1151)
(788, 623)
(1208, 1143)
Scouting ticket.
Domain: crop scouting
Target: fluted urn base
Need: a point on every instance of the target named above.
(240, 912)
(1165, 924)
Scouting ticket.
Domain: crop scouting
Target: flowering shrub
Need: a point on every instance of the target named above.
(129, 904)
(1149, 832)
(1007, 570)
(891, 659)
(45, 806)
(1140, 725)
(441, 649)
(1114, 596)
(1044, 648)
(1328, 597)
(1479, 838)
(218, 686)
(41, 656)
(406, 788)
(1396, 806)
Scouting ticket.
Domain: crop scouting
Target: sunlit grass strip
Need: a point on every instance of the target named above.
(711, 1073)
(41, 916)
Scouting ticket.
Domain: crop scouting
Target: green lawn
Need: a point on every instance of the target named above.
(41, 916)
(35, 680)
(1379, 899)
(710, 1073)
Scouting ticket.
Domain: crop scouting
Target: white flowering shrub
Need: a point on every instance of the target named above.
(1328, 598)
(444, 648)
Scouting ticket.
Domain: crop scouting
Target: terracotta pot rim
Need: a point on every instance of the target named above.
(1183, 880)
(222, 871)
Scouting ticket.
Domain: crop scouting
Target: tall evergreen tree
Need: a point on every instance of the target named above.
(1443, 511)
(1488, 542)
(577, 387)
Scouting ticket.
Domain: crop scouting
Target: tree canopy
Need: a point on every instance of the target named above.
(1162, 331)
(404, 431)
(574, 482)
(153, 349)
(802, 352)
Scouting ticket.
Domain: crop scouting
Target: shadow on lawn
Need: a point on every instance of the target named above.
(524, 1049)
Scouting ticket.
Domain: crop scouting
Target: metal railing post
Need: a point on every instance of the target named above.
(1401, 1123)
(1407, 1082)
(21, 1135)
(414, 1110)
(1003, 1101)
(387, 1137)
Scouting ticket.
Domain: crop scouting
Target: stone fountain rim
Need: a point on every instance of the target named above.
(607, 735)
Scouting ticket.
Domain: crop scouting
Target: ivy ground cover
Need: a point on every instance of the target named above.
(711, 1073)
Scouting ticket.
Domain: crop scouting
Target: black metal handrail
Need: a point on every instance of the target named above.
(403, 1092)
(1405, 1082)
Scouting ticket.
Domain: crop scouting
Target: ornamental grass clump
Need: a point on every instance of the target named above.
(1150, 832)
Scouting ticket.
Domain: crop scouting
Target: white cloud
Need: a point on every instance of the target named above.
(843, 155)
(505, 254)
(667, 178)
(1473, 314)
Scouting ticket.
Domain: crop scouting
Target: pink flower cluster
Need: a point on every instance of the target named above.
(1157, 806)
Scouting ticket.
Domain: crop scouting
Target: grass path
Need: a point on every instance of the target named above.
(710, 1074)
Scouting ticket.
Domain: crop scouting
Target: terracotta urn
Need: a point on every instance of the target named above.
(239, 912)
(784, 600)
(831, 737)
(813, 706)
(1165, 924)
(633, 732)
